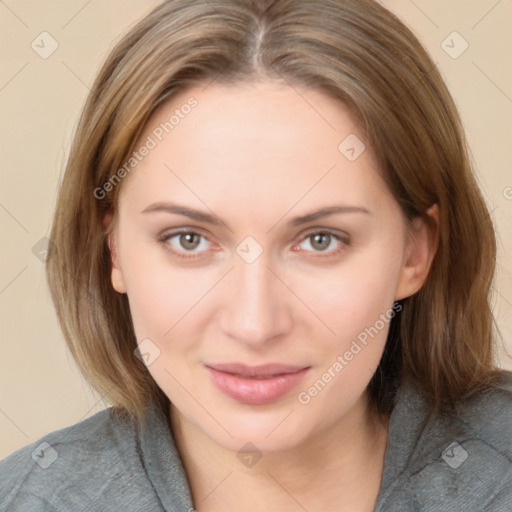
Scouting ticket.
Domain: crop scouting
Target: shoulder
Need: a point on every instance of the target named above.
(64, 462)
(477, 452)
(452, 462)
(488, 416)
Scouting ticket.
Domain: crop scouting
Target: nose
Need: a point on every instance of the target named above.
(256, 308)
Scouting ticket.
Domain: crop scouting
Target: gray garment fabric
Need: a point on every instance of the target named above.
(103, 464)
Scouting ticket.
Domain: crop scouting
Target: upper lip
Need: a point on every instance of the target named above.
(264, 370)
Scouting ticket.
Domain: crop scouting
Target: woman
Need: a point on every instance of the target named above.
(271, 256)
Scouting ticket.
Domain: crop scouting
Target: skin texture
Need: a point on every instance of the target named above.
(256, 156)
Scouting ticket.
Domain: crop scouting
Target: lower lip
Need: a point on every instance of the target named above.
(256, 391)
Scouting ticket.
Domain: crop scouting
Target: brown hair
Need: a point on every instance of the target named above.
(352, 50)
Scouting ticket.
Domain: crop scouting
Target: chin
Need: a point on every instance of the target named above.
(259, 441)
(271, 430)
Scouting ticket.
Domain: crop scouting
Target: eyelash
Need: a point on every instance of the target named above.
(344, 241)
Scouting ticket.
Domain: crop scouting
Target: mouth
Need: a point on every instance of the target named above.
(256, 385)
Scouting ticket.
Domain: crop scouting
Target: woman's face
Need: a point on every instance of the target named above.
(291, 255)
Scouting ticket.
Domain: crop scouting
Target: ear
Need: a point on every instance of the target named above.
(422, 243)
(116, 273)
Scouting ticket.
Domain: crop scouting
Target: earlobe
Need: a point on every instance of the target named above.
(116, 275)
(118, 281)
(421, 248)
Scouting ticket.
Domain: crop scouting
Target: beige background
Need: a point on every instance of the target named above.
(40, 388)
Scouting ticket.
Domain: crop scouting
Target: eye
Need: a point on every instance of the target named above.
(184, 241)
(323, 240)
(187, 243)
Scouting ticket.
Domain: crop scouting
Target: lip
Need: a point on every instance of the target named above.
(256, 385)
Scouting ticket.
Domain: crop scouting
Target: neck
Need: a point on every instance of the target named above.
(338, 469)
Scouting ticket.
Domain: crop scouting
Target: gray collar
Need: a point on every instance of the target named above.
(431, 463)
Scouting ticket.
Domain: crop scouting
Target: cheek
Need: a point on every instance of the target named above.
(351, 297)
(161, 293)
(356, 303)
(166, 308)
(343, 300)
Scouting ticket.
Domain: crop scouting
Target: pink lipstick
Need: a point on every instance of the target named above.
(256, 385)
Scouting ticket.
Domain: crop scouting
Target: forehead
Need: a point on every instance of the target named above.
(273, 114)
(257, 145)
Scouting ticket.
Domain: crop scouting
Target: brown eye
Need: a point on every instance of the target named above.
(325, 241)
(185, 244)
(320, 241)
(189, 240)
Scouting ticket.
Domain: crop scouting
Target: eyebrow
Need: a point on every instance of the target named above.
(214, 220)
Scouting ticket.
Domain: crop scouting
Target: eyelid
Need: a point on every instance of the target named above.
(342, 237)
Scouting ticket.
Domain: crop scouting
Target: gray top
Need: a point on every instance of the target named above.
(431, 465)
